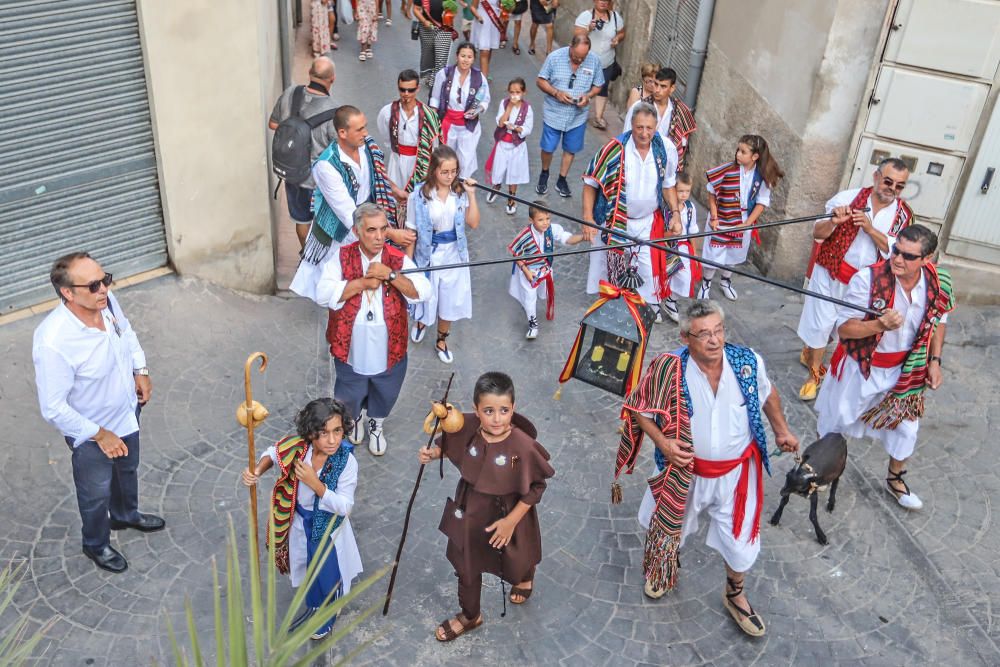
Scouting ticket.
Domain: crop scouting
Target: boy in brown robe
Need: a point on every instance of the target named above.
(492, 525)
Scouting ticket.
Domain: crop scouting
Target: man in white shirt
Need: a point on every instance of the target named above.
(882, 365)
(650, 165)
(701, 407)
(367, 296)
(850, 240)
(675, 122)
(92, 380)
(349, 172)
(411, 129)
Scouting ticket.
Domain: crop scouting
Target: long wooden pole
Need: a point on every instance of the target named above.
(409, 507)
(251, 453)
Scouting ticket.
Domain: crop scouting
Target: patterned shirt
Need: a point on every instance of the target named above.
(558, 71)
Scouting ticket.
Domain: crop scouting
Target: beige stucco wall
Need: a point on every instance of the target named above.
(794, 73)
(212, 73)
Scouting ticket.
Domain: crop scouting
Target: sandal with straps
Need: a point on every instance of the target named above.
(450, 634)
(906, 498)
(749, 621)
(523, 593)
(443, 354)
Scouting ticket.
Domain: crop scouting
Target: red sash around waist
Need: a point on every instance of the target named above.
(451, 117)
(410, 151)
(508, 137)
(711, 469)
(844, 272)
(879, 360)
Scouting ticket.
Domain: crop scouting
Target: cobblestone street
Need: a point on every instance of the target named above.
(891, 588)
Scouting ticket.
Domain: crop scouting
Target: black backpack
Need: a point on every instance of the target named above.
(291, 146)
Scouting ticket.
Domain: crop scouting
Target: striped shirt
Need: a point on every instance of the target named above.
(558, 71)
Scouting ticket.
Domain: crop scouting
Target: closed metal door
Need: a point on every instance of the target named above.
(976, 230)
(77, 165)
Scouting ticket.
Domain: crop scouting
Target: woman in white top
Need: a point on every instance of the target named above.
(321, 502)
(461, 95)
(606, 30)
(438, 210)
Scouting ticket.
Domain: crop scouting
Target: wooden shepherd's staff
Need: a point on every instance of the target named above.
(250, 414)
(409, 506)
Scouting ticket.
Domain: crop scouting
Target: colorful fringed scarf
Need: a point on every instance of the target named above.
(285, 493)
(429, 128)
(663, 392)
(681, 126)
(327, 227)
(906, 399)
(725, 180)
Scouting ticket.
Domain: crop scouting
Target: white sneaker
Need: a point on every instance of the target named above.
(532, 329)
(357, 434)
(727, 289)
(376, 439)
(511, 208)
(492, 196)
(417, 333)
(705, 289)
(670, 306)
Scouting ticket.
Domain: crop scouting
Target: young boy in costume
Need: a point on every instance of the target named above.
(492, 525)
(317, 478)
(682, 283)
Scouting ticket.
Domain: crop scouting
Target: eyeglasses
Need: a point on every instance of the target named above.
(94, 286)
(898, 186)
(407, 90)
(908, 256)
(718, 332)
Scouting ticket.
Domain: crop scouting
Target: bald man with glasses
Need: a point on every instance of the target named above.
(92, 380)
(851, 239)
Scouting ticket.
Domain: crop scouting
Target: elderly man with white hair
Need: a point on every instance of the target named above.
(367, 296)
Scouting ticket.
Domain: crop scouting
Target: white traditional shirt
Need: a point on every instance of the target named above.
(369, 353)
(720, 426)
(84, 375)
(409, 126)
(863, 251)
(334, 190)
(459, 91)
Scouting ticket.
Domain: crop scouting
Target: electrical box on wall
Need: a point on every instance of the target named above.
(924, 108)
(956, 36)
(933, 175)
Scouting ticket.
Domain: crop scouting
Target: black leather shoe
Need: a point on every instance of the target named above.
(107, 558)
(147, 523)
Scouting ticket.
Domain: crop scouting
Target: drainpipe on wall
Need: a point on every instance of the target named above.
(699, 49)
(283, 43)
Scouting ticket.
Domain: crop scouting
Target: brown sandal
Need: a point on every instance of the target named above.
(450, 634)
(524, 593)
(748, 621)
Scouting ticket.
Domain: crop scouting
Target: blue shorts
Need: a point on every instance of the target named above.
(572, 140)
(299, 203)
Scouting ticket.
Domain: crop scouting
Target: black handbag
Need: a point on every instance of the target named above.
(612, 71)
(415, 30)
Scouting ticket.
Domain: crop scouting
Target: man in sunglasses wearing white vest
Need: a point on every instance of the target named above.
(92, 382)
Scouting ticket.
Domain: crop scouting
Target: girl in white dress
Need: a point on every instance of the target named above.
(438, 210)
(508, 163)
(461, 95)
(320, 502)
(485, 33)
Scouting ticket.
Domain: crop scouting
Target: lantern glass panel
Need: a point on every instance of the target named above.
(605, 359)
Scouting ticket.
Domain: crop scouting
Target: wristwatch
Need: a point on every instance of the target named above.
(141, 371)
(392, 276)
(936, 358)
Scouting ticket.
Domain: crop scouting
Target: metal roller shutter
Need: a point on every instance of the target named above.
(673, 34)
(77, 166)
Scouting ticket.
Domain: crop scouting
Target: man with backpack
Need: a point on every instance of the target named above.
(302, 121)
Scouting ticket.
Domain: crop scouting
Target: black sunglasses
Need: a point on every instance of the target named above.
(407, 90)
(94, 286)
(908, 256)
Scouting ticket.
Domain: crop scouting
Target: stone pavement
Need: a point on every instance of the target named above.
(891, 588)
